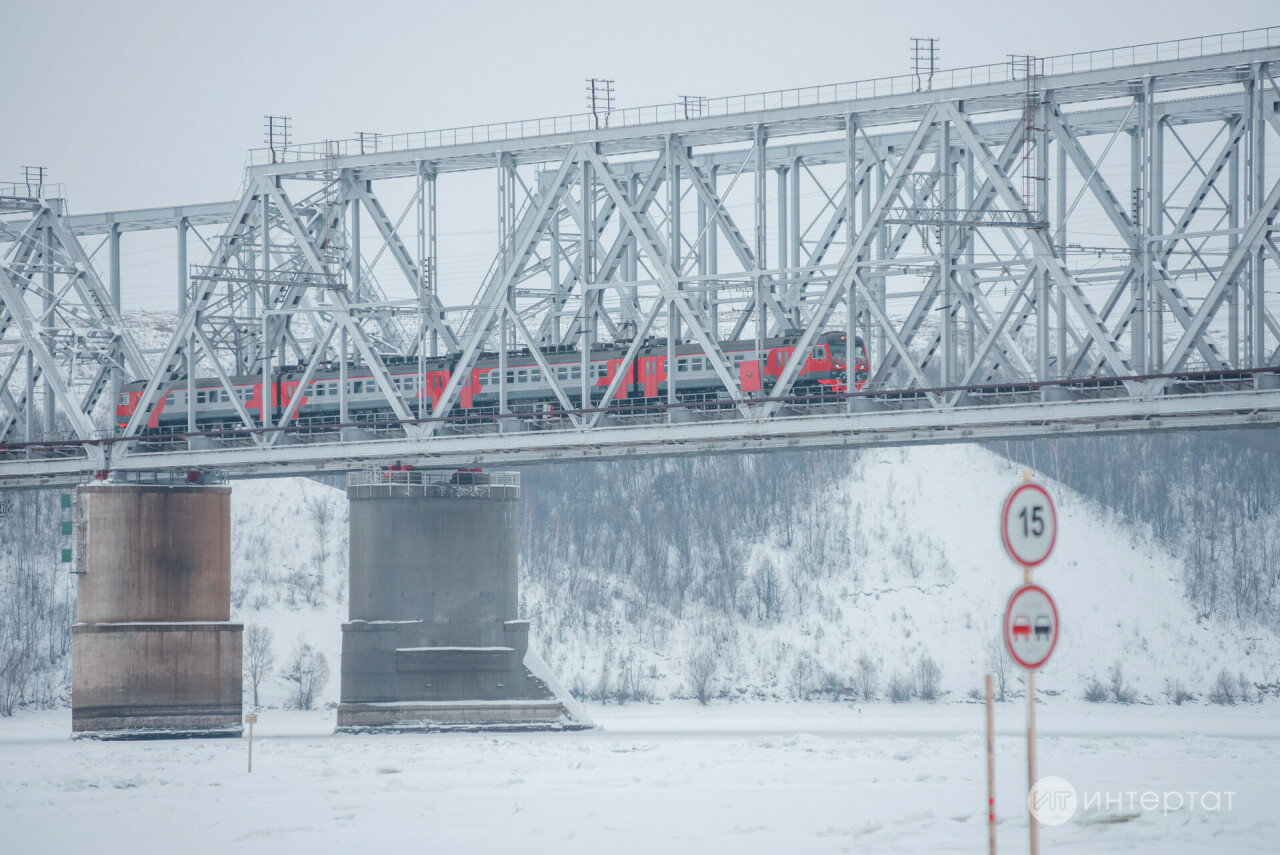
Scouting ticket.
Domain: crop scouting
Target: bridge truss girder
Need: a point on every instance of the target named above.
(786, 222)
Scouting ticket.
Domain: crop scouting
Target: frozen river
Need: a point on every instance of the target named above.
(669, 778)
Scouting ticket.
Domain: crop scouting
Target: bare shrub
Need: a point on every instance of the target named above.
(1121, 692)
(1224, 689)
(702, 673)
(766, 582)
(1177, 692)
(899, 688)
(15, 670)
(928, 676)
(308, 670)
(1095, 691)
(865, 678)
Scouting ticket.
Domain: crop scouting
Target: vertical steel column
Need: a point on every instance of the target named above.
(673, 221)
(557, 286)
(182, 265)
(850, 232)
(762, 243)
(1041, 213)
(1155, 226)
(970, 333)
(701, 249)
(783, 245)
(113, 285)
(947, 320)
(586, 259)
(503, 326)
(46, 328)
(191, 383)
(1137, 161)
(1259, 192)
(797, 261)
(1233, 223)
(1060, 215)
(882, 253)
(344, 414)
(433, 254)
(713, 259)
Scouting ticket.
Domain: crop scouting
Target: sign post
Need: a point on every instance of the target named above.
(250, 719)
(991, 771)
(1029, 531)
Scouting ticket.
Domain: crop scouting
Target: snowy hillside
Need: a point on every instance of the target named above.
(911, 567)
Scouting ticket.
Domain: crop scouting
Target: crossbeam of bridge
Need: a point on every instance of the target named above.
(1095, 246)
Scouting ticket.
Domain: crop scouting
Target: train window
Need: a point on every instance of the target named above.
(562, 372)
(318, 391)
(819, 352)
(168, 400)
(535, 375)
(124, 399)
(201, 397)
(695, 364)
(575, 372)
(484, 379)
(357, 387)
(439, 382)
(522, 376)
(511, 377)
(682, 364)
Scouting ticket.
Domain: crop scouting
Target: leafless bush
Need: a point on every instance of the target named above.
(259, 658)
(1177, 692)
(308, 670)
(1224, 689)
(15, 670)
(1095, 691)
(865, 678)
(702, 673)
(1121, 692)
(928, 675)
(899, 688)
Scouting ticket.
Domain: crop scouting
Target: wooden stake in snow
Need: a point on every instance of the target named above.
(250, 719)
(991, 769)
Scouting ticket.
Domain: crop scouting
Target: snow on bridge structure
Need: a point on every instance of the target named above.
(1043, 247)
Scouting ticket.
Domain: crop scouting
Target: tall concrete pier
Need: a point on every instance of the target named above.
(153, 651)
(435, 640)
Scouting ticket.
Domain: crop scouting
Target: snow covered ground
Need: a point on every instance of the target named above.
(744, 777)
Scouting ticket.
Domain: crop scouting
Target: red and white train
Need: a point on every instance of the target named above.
(825, 370)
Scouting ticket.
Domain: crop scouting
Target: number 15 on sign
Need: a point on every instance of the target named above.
(1029, 525)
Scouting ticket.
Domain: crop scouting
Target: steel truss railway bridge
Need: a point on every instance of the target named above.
(1071, 245)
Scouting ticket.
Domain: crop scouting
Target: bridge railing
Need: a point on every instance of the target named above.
(1118, 57)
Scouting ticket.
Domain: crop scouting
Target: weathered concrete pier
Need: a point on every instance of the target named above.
(434, 640)
(153, 651)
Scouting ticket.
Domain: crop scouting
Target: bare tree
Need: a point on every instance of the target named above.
(767, 584)
(999, 665)
(308, 670)
(259, 658)
(320, 509)
(702, 673)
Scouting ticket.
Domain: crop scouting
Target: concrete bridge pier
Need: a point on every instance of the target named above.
(153, 651)
(435, 641)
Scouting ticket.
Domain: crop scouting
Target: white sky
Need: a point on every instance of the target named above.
(133, 104)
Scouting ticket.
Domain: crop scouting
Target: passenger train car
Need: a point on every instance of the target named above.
(825, 370)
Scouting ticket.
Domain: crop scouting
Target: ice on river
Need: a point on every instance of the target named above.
(671, 777)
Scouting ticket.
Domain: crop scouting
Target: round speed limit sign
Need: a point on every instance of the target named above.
(1029, 525)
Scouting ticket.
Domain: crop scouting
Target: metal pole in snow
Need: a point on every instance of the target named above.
(991, 770)
(1031, 750)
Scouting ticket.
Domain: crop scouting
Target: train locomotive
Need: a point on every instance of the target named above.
(826, 370)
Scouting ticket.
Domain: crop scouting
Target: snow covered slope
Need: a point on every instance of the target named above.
(926, 576)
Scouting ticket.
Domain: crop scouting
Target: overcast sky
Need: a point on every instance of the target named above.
(135, 104)
(150, 103)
